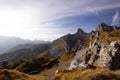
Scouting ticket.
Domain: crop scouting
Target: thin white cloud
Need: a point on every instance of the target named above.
(115, 18)
(53, 10)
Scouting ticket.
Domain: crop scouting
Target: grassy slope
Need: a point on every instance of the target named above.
(87, 74)
(110, 36)
(33, 66)
(15, 75)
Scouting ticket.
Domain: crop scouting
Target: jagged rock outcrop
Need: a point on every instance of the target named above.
(102, 27)
(103, 55)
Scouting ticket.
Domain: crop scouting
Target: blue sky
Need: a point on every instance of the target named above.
(50, 19)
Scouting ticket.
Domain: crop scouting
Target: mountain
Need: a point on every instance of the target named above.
(7, 43)
(68, 44)
(22, 46)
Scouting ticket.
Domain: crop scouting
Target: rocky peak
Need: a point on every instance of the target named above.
(102, 27)
(80, 31)
(81, 34)
(103, 24)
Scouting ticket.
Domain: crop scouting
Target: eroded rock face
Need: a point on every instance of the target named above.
(102, 27)
(105, 55)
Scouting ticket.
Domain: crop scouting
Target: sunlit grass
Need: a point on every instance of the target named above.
(87, 74)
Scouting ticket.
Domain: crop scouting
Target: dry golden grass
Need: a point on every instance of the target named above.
(110, 36)
(15, 75)
(87, 74)
(48, 73)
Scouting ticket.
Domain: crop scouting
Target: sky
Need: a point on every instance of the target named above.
(51, 19)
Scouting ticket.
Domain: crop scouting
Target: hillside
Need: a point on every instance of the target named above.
(24, 53)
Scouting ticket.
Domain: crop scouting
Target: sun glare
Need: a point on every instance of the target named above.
(13, 22)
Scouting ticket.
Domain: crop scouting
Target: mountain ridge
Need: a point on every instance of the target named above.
(68, 43)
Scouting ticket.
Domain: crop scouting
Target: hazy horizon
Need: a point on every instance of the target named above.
(49, 19)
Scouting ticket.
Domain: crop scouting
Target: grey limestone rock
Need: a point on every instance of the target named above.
(103, 55)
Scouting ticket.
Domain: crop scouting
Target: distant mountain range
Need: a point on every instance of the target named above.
(8, 43)
(24, 52)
